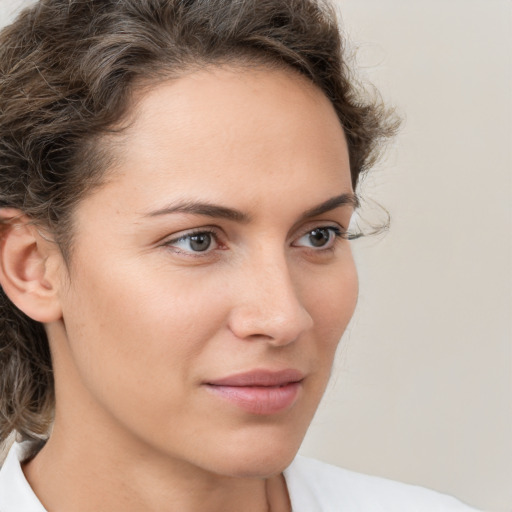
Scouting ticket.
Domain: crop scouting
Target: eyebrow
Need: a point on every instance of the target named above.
(202, 208)
(331, 204)
(222, 212)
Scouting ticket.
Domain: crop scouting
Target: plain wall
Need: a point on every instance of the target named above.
(421, 391)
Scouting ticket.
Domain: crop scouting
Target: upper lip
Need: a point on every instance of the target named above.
(259, 378)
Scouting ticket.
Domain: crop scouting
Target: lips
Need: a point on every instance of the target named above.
(260, 392)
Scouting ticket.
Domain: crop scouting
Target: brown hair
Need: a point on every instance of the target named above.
(67, 70)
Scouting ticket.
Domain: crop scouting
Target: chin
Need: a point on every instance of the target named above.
(257, 448)
(260, 457)
(261, 466)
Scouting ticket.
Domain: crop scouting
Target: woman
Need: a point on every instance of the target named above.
(177, 183)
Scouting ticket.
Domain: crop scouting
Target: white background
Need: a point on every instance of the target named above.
(422, 388)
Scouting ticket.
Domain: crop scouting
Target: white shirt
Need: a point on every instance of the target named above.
(313, 486)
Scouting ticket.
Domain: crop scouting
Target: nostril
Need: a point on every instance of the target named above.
(259, 336)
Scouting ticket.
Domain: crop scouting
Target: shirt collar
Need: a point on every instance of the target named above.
(15, 492)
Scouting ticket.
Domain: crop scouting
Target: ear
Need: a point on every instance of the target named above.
(29, 267)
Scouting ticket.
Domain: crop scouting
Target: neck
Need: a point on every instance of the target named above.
(86, 477)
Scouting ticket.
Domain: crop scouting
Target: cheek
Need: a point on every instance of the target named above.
(333, 299)
(331, 303)
(138, 336)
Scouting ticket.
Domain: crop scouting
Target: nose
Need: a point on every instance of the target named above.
(267, 305)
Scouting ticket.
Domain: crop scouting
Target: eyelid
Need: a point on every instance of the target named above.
(311, 226)
(183, 233)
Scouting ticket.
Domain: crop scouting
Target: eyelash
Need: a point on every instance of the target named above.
(339, 234)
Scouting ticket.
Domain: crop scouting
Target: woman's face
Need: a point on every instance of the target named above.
(209, 284)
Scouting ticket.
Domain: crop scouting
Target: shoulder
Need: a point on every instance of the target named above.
(319, 487)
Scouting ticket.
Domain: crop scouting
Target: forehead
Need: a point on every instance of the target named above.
(228, 132)
(236, 116)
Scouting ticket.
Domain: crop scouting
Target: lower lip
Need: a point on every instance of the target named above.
(259, 399)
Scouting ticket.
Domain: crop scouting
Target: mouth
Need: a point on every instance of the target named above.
(260, 392)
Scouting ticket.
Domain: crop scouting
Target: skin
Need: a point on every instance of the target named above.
(144, 321)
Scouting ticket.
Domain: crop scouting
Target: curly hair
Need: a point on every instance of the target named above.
(67, 71)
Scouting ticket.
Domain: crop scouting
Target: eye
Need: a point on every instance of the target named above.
(198, 242)
(319, 238)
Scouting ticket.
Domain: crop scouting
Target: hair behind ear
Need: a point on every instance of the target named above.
(26, 377)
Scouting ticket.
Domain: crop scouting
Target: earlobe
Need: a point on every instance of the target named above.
(26, 273)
